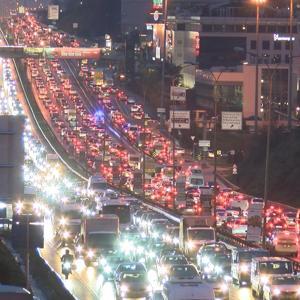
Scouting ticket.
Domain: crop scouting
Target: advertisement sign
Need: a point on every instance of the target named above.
(178, 94)
(157, 4)
(232, 120)
(53, 12)
(21, 10)
(63, 52)
(157, 52)
(255, 219)
(180, 119)
(98, 77)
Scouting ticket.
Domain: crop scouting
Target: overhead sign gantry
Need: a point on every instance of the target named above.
(61, 52)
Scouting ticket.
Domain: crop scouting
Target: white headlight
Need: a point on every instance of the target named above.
(244, 268)
(224, 287)
(90, 254)
(276, 292)
(124, 288)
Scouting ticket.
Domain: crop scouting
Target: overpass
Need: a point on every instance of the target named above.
(60, 52)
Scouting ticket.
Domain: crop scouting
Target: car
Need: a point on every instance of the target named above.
(184, 282)
(282, 287)
(130, 267)
(133, 285)
(165, 262)
(130, 101)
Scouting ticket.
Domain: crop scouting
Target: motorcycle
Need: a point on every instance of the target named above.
(67, 268)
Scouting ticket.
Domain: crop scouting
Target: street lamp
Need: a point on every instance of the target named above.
(163, 61)
(290, 83)
(258, 3)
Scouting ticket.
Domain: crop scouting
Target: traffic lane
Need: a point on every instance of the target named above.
(90, 102)
(84, 283)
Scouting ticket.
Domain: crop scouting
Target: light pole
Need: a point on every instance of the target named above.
(258, 3)
(163, 62)
(290, 81)
(267, 166)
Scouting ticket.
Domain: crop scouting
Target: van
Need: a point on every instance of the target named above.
(285, 243)
(241, 263)
(264, 267)
(12, 292)
(97, 184)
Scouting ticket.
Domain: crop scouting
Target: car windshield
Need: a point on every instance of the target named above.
(134, 277)
(286, 280)
(248, 255)
(201, 234)
(197, 171)
(99, 185)
(197, 181)
(132, 267)
(72, 214)
(184, 271)
(280, 267)
(174, 260)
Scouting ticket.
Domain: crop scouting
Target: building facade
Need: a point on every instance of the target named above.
(224, 44)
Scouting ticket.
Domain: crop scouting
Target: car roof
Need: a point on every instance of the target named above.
(271, 259)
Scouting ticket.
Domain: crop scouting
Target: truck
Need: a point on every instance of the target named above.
(96, 184)
(194, 231)
(98, 234)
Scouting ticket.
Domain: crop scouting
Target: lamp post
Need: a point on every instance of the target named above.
(163, 61)
(290, 81)
(258, 3)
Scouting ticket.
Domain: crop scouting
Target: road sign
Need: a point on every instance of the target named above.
(204, 143)
(178, 94)
(161, 110)
(232, 120)
(53, 12)
(180, 119)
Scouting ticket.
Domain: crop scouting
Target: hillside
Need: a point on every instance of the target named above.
(284, 167)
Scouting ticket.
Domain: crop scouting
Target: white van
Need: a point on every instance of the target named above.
(96, 184)
(285, 243)
(264, 267)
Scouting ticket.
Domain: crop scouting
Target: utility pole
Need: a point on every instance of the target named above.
(163, 62)
(256, 70)
(290, 81)
(266, 187)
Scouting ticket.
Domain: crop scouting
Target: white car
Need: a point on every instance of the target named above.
(130, 101)
(282, 287)
(184, 282)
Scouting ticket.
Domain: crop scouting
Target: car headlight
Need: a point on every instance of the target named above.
(124, 288)
(149, 288)
(66, 235)
(103, 261)
(218, 269)
(276, 292)
(90, 254)
(190, 245)
(62, 221)
(264, 279)
(107, 269)
(79, 248)
(244, 268)
(205, 259)
(224, 288)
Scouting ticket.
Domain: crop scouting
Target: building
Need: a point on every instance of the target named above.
(222, 42)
